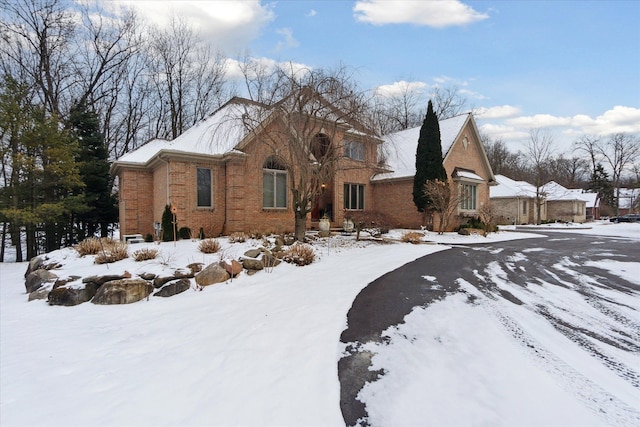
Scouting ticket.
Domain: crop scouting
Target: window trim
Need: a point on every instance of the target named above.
(348, 196)
(273, 174)
(198, 205)
(473, 201)
(355, 150)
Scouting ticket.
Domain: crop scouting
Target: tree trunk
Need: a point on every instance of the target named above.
(4, 239)
(301, 227)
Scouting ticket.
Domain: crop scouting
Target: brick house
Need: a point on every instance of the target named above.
(222, 178)
(514, 202)
(564, 204)
(464, 160)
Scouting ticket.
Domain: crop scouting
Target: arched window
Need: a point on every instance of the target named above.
(274, 184)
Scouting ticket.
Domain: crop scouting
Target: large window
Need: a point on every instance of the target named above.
(468, 197)
(354, 196)
(204, 187)
(274, 185)
(354, 150)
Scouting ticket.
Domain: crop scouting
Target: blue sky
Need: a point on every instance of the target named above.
(571, 67)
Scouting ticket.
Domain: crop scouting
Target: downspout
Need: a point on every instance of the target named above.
(226, 207)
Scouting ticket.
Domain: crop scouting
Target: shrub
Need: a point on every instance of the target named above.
(116, 252)
(412, 237)
(148, 238)
(94, 245)
(373, 222)
(301, 254)
(209, 246)
(237, 237)
(167, 225)
(201, 235)
(184, 233)
(145, 254)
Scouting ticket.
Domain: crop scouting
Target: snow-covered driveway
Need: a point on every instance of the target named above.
(533, 332)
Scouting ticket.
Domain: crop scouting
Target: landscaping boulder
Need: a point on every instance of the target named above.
(35, 263)
(101, 280)
(173, 288)
(252, 264)
(195, 267)
(36, 279)
(68, 296)
(253, 253)
(233, 267)
(212, 274)
(123, 291)
(41, 293)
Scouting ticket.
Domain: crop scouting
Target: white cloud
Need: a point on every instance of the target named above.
(540, 121)
(400, 87)
(288, 39)
(506, 133)
(437, 14)
(312, 12)
(498, 112)
(228, 25)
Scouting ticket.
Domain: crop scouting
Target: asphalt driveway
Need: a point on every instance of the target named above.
(386, 301)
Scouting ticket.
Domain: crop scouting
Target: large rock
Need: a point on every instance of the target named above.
(233, 267)
(68, 296)
(42, 293)
(159, 282)
(35, 263)
(36, 279)
(252, 264)
(100, 280)
(123, 291)
(173, 288)
(213, 273)
(253, 253)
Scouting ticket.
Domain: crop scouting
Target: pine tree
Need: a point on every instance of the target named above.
(428, 160)
(601, 184)
(94, 171)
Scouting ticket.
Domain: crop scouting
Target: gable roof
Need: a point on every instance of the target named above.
(508, 188)
(401, 159)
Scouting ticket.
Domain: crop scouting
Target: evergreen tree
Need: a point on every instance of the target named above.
(428, 160)
(101, 207)
(601, 184)
(168, 227)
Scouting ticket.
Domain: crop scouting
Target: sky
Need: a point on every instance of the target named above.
(570, 67)
(263, 350)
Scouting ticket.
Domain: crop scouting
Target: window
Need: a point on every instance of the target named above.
(524, 206)
(204, 187)
(468, 197)
(274, 185)
(354, 196)
(354, 150)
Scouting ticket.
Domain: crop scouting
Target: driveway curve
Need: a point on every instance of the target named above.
(558, 259)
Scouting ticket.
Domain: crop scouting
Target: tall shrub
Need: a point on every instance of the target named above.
(168, 229)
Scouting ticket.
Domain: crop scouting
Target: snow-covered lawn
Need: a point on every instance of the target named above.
(263, 350)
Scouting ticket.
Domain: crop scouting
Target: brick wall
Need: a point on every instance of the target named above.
(135, 201)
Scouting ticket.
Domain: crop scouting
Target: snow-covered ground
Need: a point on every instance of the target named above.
(263, 350)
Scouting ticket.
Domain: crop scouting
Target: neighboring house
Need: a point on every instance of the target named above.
(464, 160)
(223, 179)
(564, 204)
(592, 206)
(514, 202)
(628, 200)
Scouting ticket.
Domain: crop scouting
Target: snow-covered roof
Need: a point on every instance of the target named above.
(507, 187)
(401, 159)
(592, 199)
(462, 173)
(556, 192)
(216, 135)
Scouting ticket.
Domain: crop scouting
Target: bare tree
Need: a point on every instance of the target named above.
(38, 42)
(502, 160)
(538, 153)
(445, 200)
(401, 109)
(620, 152)
(588, 144)
(188, 77)
(311, 110)
(448, 102)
